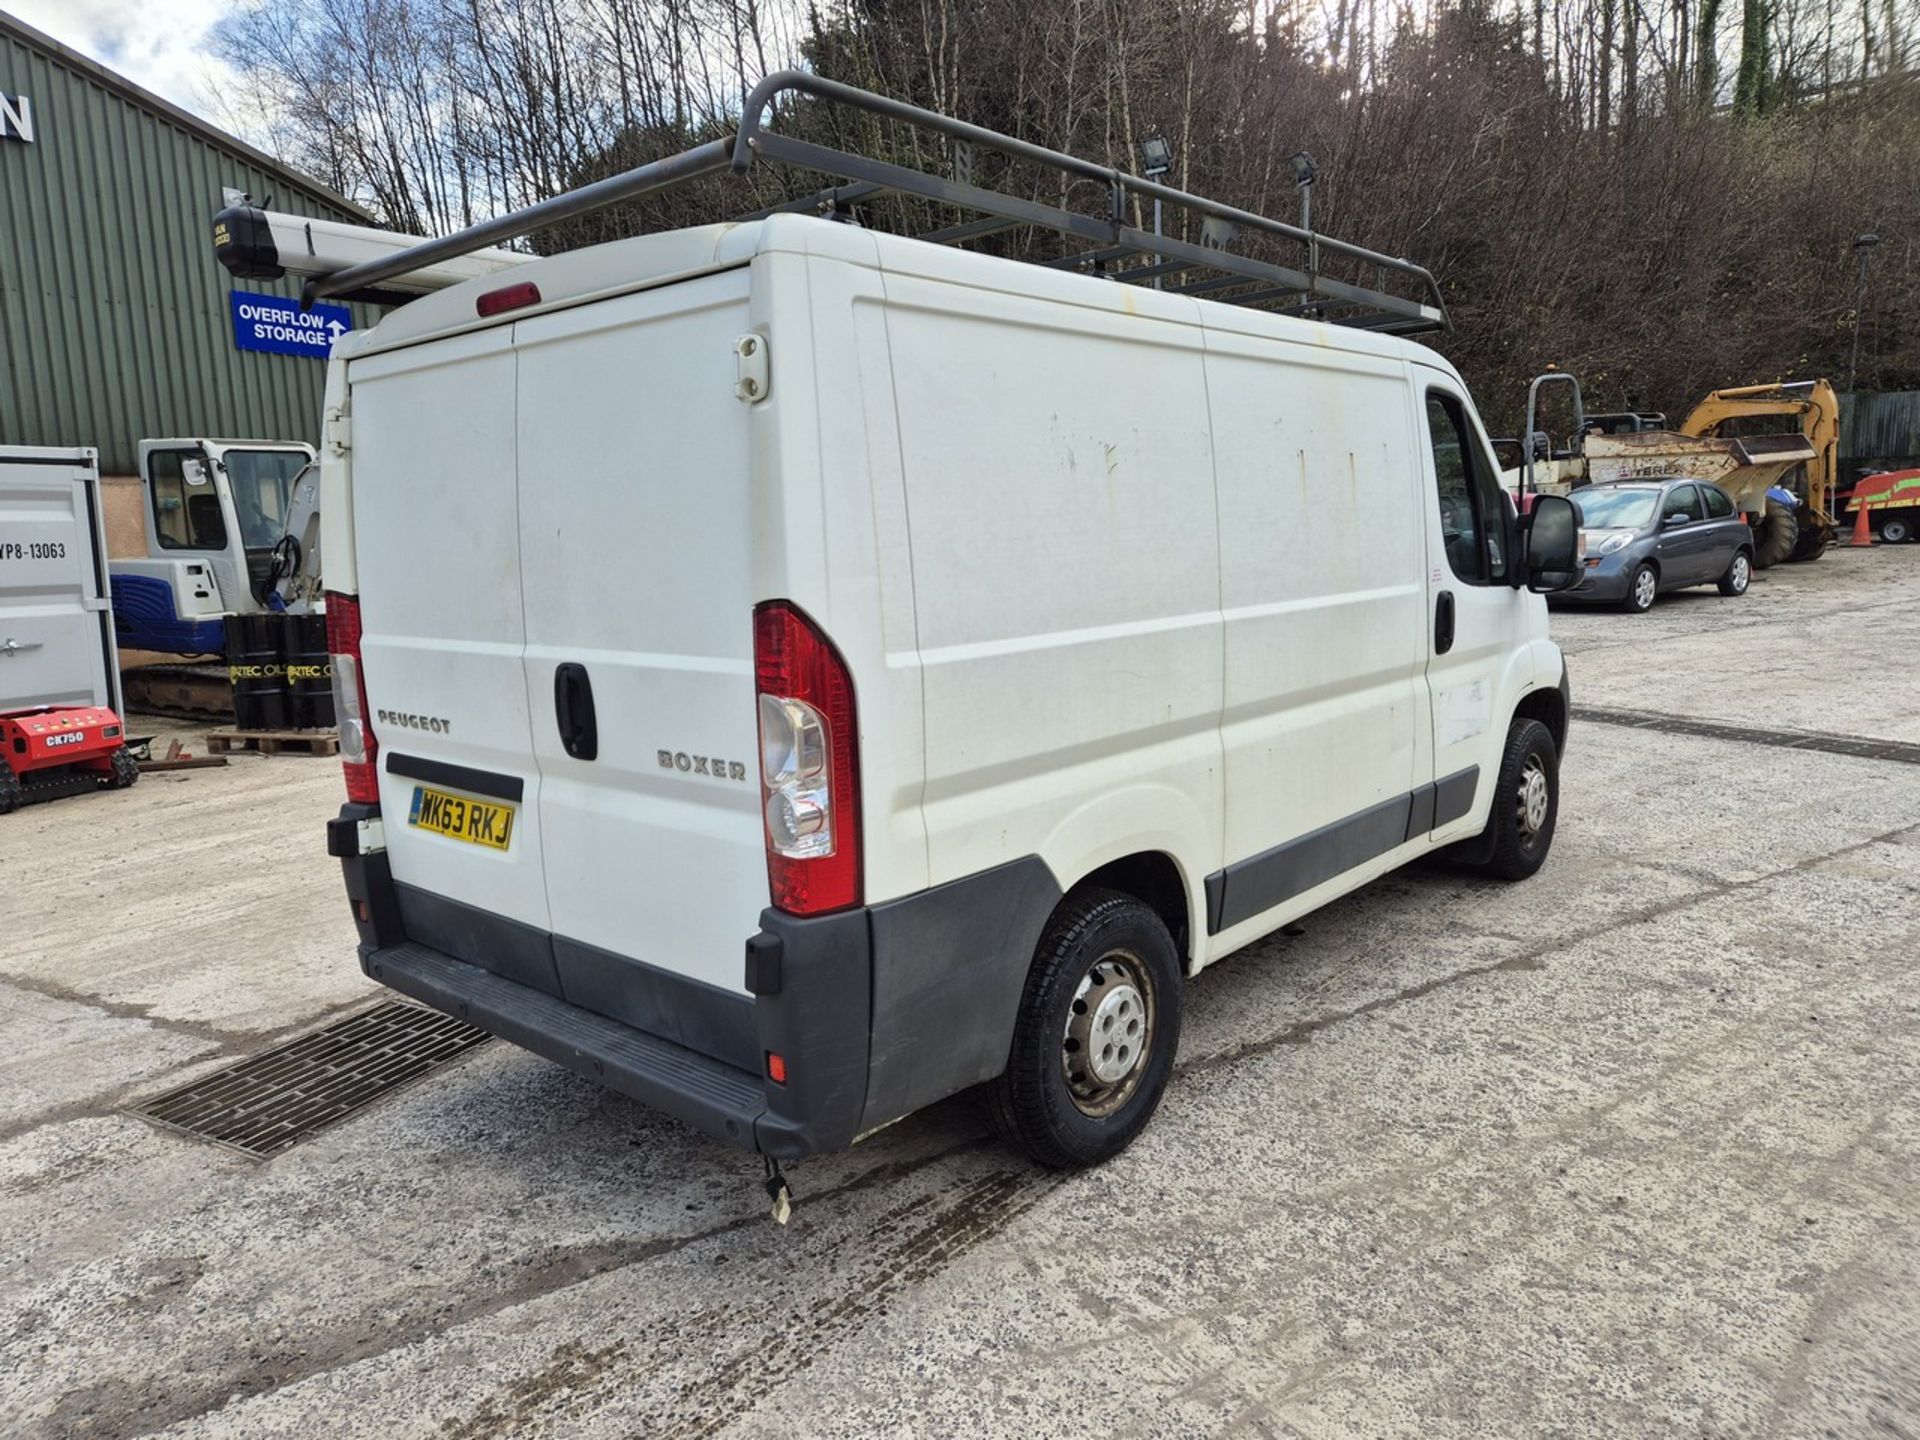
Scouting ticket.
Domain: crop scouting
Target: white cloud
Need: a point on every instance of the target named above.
(159, 44)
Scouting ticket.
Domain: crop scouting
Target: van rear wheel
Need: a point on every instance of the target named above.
(1094, 1040)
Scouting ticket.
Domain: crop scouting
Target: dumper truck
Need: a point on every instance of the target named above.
(1781, 481)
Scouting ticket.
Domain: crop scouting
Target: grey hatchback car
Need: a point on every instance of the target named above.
(1645, 537)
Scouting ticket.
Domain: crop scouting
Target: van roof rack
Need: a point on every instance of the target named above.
(1109, 244)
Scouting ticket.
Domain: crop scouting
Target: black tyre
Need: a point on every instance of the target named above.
(1896, 531)
(1094, 1040)
(126, 770)
(1811, 542)
(1774, 537)
(1526, 803)
(1641, 590)
(1739, 575)
(12, 794)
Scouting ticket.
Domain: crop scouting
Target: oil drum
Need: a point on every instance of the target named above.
(256, 668)
(309, 671)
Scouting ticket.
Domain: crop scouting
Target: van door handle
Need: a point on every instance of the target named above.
(1443, 623)
(573, 711)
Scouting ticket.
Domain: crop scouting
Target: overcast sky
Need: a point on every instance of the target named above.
(160, 44)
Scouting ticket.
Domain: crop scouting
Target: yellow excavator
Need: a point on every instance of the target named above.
(1792, 532)
(1781, 478)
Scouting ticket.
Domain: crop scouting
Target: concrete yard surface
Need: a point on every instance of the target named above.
(1632, 1148)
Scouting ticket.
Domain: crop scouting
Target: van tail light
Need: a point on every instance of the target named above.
(359, 749)
(809, 763)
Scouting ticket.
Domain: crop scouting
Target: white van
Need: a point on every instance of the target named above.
(792, 673)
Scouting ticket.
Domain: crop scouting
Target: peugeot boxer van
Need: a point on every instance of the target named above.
(790, 673)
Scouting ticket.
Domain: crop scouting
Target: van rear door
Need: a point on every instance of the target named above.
(437, 538)
(636, 545)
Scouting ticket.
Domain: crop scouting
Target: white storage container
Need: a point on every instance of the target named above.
(56, 616)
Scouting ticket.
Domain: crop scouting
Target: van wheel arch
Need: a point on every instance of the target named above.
(1549, 707)
(1152, 877)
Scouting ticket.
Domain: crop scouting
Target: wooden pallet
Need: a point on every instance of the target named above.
(275, 742)
(173, 759)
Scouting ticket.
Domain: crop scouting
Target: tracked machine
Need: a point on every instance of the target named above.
(232, 533)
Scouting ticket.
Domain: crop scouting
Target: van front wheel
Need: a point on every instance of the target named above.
(1526, 803)
(1094, 1040)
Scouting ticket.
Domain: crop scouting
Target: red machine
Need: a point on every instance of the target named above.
(48, 753)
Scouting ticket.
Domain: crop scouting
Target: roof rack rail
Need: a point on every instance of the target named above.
(1114, 247)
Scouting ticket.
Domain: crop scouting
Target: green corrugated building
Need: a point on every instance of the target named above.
(115, 319)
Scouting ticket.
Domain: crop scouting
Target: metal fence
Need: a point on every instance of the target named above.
(1879, 432)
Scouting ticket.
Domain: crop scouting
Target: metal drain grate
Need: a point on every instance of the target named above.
(1858, 746)
(280, 1096)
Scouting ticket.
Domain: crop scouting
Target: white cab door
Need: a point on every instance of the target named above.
(189, 519)
(1474, 615)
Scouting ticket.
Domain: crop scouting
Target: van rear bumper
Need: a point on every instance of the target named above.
(876, 1011)
(705, 1093)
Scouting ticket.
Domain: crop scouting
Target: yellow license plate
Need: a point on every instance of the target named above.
(475, 821)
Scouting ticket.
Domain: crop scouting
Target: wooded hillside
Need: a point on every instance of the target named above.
(1662, 195)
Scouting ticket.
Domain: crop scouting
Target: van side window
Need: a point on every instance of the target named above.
(185, 517)
(1471, 514)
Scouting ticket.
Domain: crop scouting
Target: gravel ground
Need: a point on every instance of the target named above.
(1631, 1149)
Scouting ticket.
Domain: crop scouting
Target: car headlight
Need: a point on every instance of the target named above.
(1618, 540)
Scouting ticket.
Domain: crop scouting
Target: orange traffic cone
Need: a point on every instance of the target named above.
(1862, 532)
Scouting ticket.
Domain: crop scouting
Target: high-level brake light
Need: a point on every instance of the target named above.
(508, 297)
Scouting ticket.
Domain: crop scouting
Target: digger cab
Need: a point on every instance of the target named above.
(215, 511)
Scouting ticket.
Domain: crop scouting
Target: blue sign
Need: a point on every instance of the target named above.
(280, 327)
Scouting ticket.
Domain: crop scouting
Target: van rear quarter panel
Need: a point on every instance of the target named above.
(1060, 495)
(831, 513)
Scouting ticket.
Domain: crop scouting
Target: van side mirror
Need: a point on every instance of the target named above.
(1553, 543)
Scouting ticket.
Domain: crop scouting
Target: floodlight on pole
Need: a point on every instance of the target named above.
(1156, 159)
(1863, 247)
(1304, 171)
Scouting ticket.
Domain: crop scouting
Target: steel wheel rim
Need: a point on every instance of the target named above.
(1108, 1034)
(1740, 571)
(1533, 798)
(1643, 585)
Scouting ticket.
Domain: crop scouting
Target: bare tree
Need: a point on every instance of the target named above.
(1637, 189)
